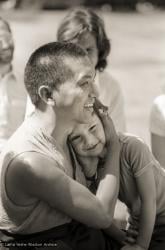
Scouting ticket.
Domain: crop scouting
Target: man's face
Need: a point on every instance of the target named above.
(76, 95)
(6, 45)
(88, 139)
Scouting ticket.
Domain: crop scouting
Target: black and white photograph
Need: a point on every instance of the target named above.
(82, 125)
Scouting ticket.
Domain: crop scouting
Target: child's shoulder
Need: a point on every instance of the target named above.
(129, 138)
(131, 142)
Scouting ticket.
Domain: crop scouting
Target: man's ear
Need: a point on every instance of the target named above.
(46, 95)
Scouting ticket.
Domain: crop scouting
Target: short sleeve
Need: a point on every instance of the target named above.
(157, 117)
(139, 156)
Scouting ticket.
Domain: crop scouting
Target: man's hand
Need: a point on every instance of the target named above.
(131, 235)
(132, 247)
(109, 129)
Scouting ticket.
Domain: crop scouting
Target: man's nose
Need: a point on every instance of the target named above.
(5, 44)
(94, 90)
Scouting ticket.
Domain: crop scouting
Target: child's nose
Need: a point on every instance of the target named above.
(90, 141)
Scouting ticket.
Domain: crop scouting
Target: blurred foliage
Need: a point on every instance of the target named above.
(62, 4)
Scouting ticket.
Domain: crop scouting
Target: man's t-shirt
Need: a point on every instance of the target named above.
(39, 215)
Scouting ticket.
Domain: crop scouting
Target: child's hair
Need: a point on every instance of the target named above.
(79, 20)
(46, 66)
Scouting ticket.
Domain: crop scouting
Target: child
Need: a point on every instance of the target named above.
(85, 27)
(142, 180)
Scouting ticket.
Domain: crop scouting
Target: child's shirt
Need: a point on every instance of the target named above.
(135, 159)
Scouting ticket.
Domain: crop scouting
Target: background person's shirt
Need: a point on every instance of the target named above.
(157, 118)
(110, 94)
(12, 107)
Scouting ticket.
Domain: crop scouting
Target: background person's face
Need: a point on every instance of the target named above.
(6, 46)
(88, 42)
(88, 140)
(76, 96)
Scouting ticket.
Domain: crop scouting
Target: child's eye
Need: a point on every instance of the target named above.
(83, 84)
(76, 137)
(89, 50)
(92, 128)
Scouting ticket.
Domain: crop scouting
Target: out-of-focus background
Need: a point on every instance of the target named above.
(137, 33)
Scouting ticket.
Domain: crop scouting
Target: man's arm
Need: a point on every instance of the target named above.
(37, 177)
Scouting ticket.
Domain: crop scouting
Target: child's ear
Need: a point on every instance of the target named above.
(46, 95)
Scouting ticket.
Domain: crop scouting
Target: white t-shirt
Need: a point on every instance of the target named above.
(157, 118)
(110, 94)
(12, 107)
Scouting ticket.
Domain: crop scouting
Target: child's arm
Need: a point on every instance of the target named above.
(146, 188)
(147, 192)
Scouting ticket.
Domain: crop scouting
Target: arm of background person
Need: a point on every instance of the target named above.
(158, 147)
(157, 129)
(4, 116)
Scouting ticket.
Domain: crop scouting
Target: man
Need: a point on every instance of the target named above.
(43, 194)
(12, 101)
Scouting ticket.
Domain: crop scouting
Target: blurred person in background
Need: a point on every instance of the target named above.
(12, 101)
(86, 28)
(157, 128)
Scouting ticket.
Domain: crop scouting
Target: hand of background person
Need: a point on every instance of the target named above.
(109, 128)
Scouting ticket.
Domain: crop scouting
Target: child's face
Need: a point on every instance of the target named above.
(6, 46)
(88, 42)
(88, 139)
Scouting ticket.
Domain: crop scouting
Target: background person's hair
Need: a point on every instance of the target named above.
(79, 20)
(46, 67)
